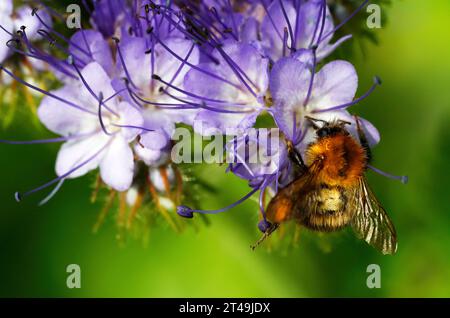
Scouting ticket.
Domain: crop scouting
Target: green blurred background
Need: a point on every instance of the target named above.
(412, 112)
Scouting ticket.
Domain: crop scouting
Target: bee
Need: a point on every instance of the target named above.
(331, 191)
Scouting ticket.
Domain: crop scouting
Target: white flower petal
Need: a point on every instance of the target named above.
(117, 166)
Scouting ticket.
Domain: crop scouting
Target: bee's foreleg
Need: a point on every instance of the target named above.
(363, 140)
(295, 155)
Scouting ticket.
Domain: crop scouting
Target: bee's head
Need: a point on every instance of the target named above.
(333, 128)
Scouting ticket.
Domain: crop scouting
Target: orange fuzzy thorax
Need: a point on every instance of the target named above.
(341, 161)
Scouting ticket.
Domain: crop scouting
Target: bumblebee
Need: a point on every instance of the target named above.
(331, 191)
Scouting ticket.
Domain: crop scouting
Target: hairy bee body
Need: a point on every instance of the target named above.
(335, 164)
(332, 192)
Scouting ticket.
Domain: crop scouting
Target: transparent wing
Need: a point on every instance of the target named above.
(371, 223)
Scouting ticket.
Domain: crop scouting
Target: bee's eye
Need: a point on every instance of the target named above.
(323, 132)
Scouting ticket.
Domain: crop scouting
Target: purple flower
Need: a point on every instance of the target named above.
(292, 25)
(92, 141)
(298, 92)
(159, 97)
(231, 92)
(259, 158)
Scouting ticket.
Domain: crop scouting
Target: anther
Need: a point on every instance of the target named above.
(264, 225)
(185, 211)
(377, 80)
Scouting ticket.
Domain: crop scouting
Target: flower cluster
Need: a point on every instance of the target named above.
(138, 69)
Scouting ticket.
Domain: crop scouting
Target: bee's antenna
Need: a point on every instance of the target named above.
(314, 120)
(266, 234)
(346, 122)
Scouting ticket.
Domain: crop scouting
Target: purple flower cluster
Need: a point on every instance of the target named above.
(142, 67)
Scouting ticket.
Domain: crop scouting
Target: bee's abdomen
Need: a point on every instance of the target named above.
(325, 209)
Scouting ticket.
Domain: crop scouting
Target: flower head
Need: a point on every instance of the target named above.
(293, 25)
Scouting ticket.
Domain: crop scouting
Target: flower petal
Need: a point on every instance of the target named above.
(289, 82)
(130, 116)
(169, 67)
(6, 7)
(6, 23)
(335, 84)
(150, 157)
(74, 153)
(63, 119)
(24, 17)
(326, 50)
(154, 140)
(117, 166)
(99, 82)
(93, 43)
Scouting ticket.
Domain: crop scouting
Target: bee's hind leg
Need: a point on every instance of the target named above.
(265, 235)
(363, 140)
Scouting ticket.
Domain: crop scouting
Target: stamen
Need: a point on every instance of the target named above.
(119, 52)
(44, 141)
(132, 127)
(195, 67)
(402, 179)
(52, 194)
(377, 82)
(285, 38)
(271, 19)
(291, 33)
(264, 225)
(88, 87)
(86, 7)
(324, 14)
(51, 11)
(137, 99)
(233, 20)
(188, 55)
(158, 78)
(34, 13)
(297, 23)
(318, 20)
(313, 73)
(19, 197)
(238, 71)
(219, 110)
(100, 118)
(345, 20)
(187, 212)
(1, 27)
(45, 92)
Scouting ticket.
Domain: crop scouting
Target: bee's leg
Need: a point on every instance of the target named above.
(295, 156)
(266, 234)
(363, 140)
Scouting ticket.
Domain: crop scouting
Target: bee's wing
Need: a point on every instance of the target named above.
(282, 206)
(371, 222)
